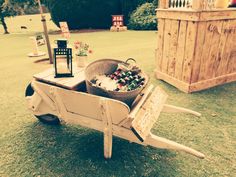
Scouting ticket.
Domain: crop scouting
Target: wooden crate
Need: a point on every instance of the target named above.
(196, 48)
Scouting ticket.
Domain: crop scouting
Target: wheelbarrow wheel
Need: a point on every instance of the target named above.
(47, 118)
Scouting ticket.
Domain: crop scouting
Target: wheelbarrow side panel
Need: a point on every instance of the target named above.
(63, 103)
(89, 105)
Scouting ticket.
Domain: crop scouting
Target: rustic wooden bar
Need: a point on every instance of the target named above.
(196, 48)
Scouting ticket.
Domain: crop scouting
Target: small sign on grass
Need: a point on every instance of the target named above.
(65, 30)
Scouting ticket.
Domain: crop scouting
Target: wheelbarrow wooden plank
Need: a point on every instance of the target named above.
(68, 82)
(73, 82)
(148, 113)
(44, 74)
(88, 105)
(52, 79)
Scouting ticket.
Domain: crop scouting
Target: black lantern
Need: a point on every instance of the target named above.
(63, 61)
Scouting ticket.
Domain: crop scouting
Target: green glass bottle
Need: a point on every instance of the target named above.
(123, 75)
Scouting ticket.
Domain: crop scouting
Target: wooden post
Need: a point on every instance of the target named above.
(197, 4)
(164, 4)
(43, 19)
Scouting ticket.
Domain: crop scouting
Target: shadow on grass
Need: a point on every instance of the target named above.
(72, 150)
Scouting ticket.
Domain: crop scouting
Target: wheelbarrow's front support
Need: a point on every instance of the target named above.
(106, 115)
(107, 128)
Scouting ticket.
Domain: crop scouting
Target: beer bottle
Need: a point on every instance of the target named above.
(127, 80)
(133, 73)
(112, 76)
(134, 82)
(121, 81)
(123, 75)
(119, 75)
(137, 80)
(142, 83)
(129, 73)
(135, 76)
(130, 87)
(142, 79)
(133, 85)
(131, 78)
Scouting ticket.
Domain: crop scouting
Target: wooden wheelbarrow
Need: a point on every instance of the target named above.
(54, 100)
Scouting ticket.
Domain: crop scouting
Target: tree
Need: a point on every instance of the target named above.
(10, 8)
(6, 10)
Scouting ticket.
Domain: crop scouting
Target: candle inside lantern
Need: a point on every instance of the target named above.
(62, 65)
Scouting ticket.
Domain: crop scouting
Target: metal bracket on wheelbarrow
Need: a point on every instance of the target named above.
(112, 117)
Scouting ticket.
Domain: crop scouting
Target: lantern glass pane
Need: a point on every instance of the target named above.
(62, 66)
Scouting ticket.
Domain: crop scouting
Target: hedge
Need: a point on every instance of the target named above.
(81, 14)
(128, 6)
(143, 18)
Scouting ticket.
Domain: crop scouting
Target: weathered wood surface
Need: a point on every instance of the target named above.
(205, 52)
(189, 51)
(194, 87)
(180, 49)
(160, 37)
(213, 49)
(193, 15)
(164, 4)
(196, 48)
(148, 113)
(197, 5)
(173, 47)
(177, 15)
(166, 46)
(68, 82)
(198, 51)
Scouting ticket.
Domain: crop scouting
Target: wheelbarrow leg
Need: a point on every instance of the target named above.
(163, 143)
(107, 130)
(107, 143)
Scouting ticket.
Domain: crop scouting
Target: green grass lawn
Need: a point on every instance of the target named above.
(30, 148)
